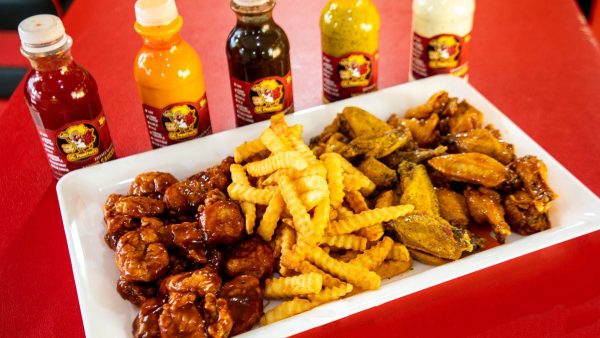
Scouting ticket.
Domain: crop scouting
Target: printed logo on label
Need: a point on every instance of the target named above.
(78, 142)
(355, 71)
(181, 121)
(444, 51)
(267, 96)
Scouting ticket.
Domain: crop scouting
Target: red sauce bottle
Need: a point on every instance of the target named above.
(63, 98)
(258, 54)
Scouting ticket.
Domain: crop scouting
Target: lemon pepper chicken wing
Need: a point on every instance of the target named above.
(140, 256)
(485, 206)
(377, 145)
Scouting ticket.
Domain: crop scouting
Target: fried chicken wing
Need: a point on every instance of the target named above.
(151, 184)
(140, 256)
(356, 122)
(180, 318)
(417, 188)
(136, 292)
(378, 172)
(250, 257)
(377, 145)
(162, 229)
(473, 168)
(416, 155)
(465, 118)
(523, 215)
(189, 238)
(485, 206)
(221, 220)
(185, 196)
(145, 325)
(481, 141)
(453, 207)
(138, 207)
(244, 298)
(435, 103)
(218, 318)
(423, 131)
(426, 258)
(116, 222)
(433, 235)
(534, 175)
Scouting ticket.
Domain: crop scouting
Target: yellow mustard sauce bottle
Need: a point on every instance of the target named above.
(169, 77)
(350, 44)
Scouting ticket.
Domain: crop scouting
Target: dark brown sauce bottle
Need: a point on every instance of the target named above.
(258, 53)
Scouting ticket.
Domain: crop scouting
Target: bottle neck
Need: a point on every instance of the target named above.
(51, 62)
(253, 15)
(160, 37)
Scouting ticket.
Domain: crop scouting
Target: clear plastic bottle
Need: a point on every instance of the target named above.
(63, 98)
(258, 54)
(350, 45)
(441, 37)
(169, 76)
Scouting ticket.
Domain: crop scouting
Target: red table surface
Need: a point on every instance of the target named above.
(536, 60)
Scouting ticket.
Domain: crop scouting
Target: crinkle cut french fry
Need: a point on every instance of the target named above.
(347, 241)
(295, 261)
(286, 310)
(295, 132)
(335, 179)
(399, 252)
(321, 217)
(308, 183)
(286, 159)
(344, 213)
(249, 211)
(352, 273)
(269, 221)
(247, 150)
(274, 143)
(316, 169)
(310, 199)
(373, 257)
(278, 124)
(390, 269)
(331, 293)
(368, 218)
(371, 233)
(303, 149)
(356, 201)
(240, 192)
(297, 210)
(238, 174)
(367, 186)
(288, 287)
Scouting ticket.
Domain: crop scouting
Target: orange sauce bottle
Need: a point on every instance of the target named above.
(169, 76)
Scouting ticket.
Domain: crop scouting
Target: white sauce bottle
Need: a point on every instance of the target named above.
(440, 38)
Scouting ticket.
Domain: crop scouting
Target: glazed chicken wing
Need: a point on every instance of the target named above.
(473, 168)
(534, 175)
(116, 222)
(244, 297)
(423, 131)
(435, 103)
(138, 207)
(218, 317)
(465, 118)
(453, 207)
(136, 292)
(181, 318)
(199, 282)
(140, 256)
(145, 325)
(485, 206)
(251, 257)
(189, 238)
(221, 220)
(481, 141)
(523, 215)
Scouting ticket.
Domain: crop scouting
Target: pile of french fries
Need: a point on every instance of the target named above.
(314, 207)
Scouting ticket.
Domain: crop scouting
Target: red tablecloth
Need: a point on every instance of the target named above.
(536, 60)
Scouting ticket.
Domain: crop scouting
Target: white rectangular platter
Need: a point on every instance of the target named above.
(82, 193)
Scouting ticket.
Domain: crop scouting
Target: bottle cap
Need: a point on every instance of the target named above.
(155, 12)
(250, 3)
(42, 33)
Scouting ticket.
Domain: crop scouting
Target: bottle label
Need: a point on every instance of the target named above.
(259, 100)
(78, 144)
(440, 54)
(350, 75)
(177, 122)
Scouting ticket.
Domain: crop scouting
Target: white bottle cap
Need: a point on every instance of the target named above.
(42, 33)
(250, 3)
(155, 12)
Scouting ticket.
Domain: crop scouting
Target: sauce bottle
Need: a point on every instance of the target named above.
(258, 53)
(63, 98)
(169, 76)
(441, 37)
(350, 43)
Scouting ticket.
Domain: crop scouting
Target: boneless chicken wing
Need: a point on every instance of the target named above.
(145, 325)
(181, 318)
(221, 220)
(188, 237)
(218, 317)
(151, 184)
(250, 257)
(244, 297)
(140, 256)
(136, 206)
(116, 222)
(199, 282)
(135, 292)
